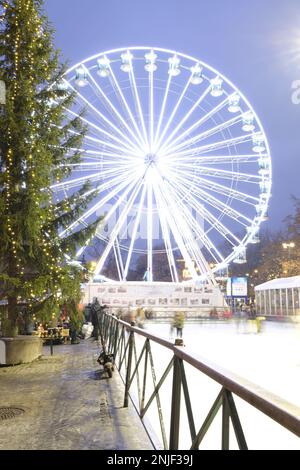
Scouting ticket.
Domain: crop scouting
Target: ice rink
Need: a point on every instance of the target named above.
(270, 359)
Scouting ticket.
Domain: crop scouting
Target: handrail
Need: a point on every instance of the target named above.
(278, 409)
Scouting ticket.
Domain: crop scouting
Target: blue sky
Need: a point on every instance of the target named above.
(254, 43)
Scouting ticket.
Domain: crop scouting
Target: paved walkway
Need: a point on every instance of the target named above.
(68, 403)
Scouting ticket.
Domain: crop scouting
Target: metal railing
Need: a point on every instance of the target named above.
(120, 339)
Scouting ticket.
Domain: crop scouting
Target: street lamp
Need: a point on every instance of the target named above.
(288, 246)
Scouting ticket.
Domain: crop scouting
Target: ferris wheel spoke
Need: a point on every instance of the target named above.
(124, 103)
(220, 173)
(116, 113)
(197, 124)
(95, 142)
(69, 184)
(134, 231)
(120, 183)
(97, 154)
(151, 108)
(214, 146)
(171, 214)
(75, 182)
(106, 168)
(179, 215)
(136, 97)
(222, 159)
(217, 204)
(97, 164)
(166, 238)
(149, 227)
(170, 120)
(103, 118)
(198, 230)
(195, 226)
(162, 111)
(118, 226)
(225, 190)
(124, 146)
(214, 222)
(204, 135)
(184, 119)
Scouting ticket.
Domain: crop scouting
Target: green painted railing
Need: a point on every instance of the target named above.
(120, 337)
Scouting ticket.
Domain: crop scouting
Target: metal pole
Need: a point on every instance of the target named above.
(51, 347)
(128, 371)
(175, 405)
(225, 422)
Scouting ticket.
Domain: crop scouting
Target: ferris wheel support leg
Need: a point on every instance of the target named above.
(169, 211)
(149, 229)
(118, 226)
(167, 241)
(134, 232)
(117, 263)
(119, 257)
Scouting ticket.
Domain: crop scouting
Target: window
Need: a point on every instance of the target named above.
(205, 301)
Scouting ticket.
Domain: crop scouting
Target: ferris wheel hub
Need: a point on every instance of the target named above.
(150, 159)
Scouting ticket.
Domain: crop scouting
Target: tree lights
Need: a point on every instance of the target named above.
(34, 145)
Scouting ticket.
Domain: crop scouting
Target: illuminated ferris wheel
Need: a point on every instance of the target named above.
(176, 156)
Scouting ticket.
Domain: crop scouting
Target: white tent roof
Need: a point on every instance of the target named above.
(281, 283)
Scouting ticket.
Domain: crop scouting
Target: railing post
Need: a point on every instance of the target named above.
(175, 404)
(225, 422)
(129, 363)
(116, 337)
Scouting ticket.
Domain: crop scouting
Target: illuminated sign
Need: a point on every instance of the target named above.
(237, 287)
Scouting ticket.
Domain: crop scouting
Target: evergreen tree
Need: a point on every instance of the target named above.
(36, 140)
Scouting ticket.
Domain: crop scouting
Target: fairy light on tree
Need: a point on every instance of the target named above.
(35, 139)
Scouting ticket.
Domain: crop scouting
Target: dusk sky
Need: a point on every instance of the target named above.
(255, 44)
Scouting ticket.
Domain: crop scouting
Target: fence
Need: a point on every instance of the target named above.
(135, 366)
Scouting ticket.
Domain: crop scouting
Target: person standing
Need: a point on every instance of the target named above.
(95, 310)
(178, 323)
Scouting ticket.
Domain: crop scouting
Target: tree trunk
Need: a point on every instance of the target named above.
(12, 314)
